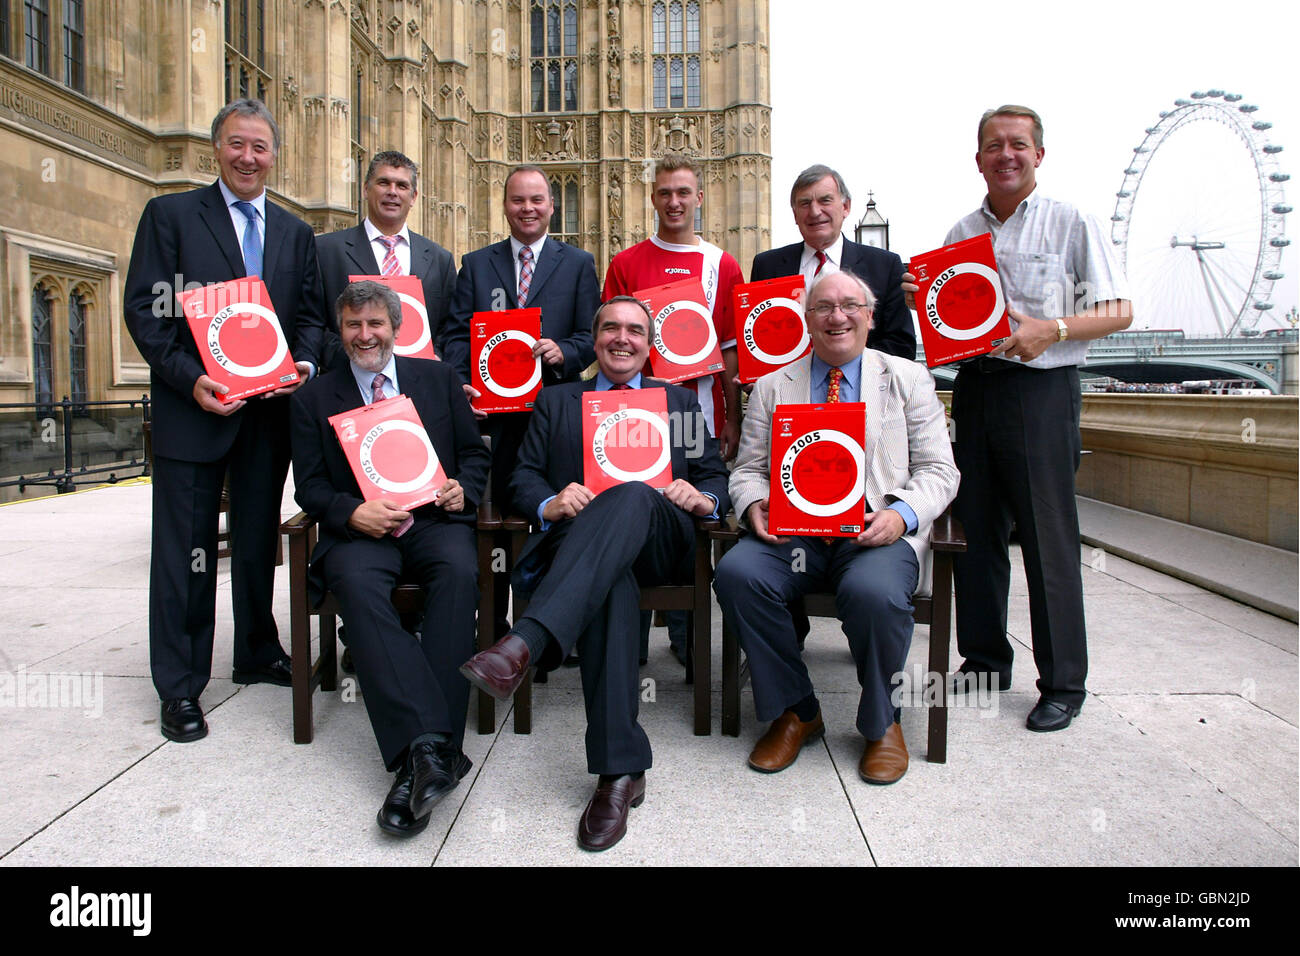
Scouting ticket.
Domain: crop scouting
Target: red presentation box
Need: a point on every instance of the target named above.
(503, 367)
(239, 337)
(415, 337)
(390, 453)
(818, 469)
(962, 310)
(626, 437)
(773, 333)
(685, 343)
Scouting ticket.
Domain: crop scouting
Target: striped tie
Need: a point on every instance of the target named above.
(391, 266)
(833, 387)
(378, 386)
(525, 273)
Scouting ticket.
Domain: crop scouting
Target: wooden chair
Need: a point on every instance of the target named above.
(407, 598)
(932, 606)
(695, 599)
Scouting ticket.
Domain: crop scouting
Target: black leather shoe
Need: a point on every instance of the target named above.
(345, 662)
(279, 673)
(1049, 715)
(604, 821)
(395, 815)
(972, 678)
(182, 720)
(436, 769)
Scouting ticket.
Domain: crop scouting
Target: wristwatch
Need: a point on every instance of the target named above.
(1062, 330)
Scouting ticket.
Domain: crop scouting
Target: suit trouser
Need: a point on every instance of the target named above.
(627, 536)
(507, 433)
(183, 562)
(756, 581)
(1017, 449)
(411, 687)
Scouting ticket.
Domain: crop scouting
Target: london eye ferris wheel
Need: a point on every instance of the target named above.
(1202, 254)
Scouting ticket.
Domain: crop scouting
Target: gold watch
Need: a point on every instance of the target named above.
(1062, 330)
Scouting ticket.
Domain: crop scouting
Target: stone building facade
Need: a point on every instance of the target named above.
(106, 103)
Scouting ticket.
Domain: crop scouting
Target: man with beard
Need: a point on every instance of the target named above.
(414, 696)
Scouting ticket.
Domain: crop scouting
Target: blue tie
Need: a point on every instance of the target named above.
(252, 240)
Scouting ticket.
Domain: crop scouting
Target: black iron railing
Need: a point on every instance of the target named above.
(58, 444)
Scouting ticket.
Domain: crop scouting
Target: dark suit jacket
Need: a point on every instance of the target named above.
(189, 238)
(348, 252)
(551, 456)
(563, 287)
(324, 484)
(892, 330)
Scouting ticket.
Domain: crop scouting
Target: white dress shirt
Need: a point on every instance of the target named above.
(1053, 261)
(402, 250)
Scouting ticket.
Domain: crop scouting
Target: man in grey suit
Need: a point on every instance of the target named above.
(910, 478)
(383, 245)
(820, 202)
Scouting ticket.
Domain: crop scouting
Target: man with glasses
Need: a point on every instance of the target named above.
(909, 479)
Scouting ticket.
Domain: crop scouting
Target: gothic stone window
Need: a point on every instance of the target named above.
(246, 24)
(77, 387)
(42, 350)
(553, 56)
(675, 32)
(565, 221)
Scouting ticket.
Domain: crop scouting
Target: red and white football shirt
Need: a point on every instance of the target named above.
(655, 262)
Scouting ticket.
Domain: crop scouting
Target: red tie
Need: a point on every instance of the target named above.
(833, 387)
(391, 266)
(821, 261)
(378, 386)
(525, 273)
(619, 386)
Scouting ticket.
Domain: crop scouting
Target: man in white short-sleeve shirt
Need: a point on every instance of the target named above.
(1017, 418)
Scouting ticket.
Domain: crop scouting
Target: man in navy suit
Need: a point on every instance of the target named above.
(820, 202)
(596, 550)
(414, 696)
(391, 188)
(186, 240)
(560, 280)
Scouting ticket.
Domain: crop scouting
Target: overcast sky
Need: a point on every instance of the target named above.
(890, 95)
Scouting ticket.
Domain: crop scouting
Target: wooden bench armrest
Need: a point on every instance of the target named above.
(947, 534)
(300, 523)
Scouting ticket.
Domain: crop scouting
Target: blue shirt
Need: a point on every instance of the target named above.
(850, 391)
(365, 380)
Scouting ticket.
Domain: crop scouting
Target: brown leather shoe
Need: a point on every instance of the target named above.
(604, 821)
(500, 669)
(884, 760)
(779, 747)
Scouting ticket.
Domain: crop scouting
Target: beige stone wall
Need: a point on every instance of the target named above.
(1227, 463)
(445, 81)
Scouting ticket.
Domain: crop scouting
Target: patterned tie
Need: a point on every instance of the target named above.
(619, 386)
(378, 386)
(821, 261)
(525, 273)
(833, 386)
(391, 266)
(252, 239)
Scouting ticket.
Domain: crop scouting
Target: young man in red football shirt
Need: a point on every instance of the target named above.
(675, 252)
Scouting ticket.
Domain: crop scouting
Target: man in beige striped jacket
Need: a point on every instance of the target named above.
(909, 480)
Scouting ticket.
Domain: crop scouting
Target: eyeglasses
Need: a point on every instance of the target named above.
(823, 310)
